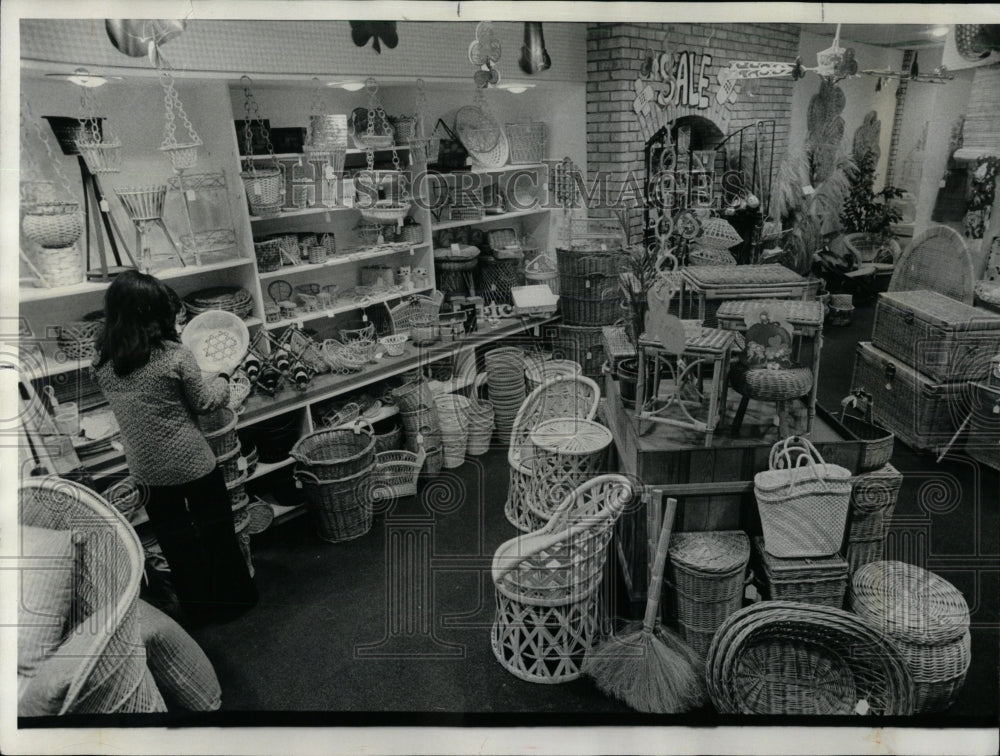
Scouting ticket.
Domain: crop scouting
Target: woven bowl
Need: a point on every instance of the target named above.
(394, 343)
(53, 224)
(218, 340)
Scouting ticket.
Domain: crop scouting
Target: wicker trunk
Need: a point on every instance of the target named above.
(922, 413)
(938, 336)
(983, 441)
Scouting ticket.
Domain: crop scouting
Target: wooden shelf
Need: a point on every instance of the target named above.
(90, 287)
(328, 386)
(349, 151)
(481, 171)
(347, 307)
(265, 468)
(301, 213)
(489, 219)
(338, 259)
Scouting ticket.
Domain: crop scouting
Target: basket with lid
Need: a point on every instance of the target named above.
(926, 618)
(940, 337)
(822, 580)
(707, 575)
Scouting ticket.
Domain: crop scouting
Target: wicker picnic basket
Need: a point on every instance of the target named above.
(927, 620)
(809, 581)
(341, 508)
(802, 500)
(787, 658)
(707, 575)
(332, 454)
(219, 429)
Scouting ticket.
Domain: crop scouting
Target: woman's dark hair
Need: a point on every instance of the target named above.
(138, 318)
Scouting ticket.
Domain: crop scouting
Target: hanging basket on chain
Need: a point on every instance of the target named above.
(393, 208)
(183, 155)
(423, 148)
(99, 146)
(262, 184)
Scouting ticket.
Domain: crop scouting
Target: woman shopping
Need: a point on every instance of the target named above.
(156, 390)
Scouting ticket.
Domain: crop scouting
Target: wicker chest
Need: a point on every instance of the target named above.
(942, 338)
(921, 412)
(983, 441)
(820, 580)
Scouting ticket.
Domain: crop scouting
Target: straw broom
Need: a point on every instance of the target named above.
(647, 666)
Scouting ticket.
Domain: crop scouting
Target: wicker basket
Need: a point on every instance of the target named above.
(877, 442)
(927, 620)
(425, 424)
(803, 502)
(263, 188)
(396, 473)
(710, 256)
(413, 396)
(53, 224)
(143, 202)
(707, 574)
(527, 142)
(718, 233)
(60, 266)
(234, 299)
(233, 465)
(809, 581)
(583, 345)
(541, 269)
(452, 410)
(785, 658)
(873, 500)
(239, 389)
(78, 340)
(341, 508)
(482, 422)
(391, 440)
(219, 428)
(767, 385)
(332, 454)
(269, 255)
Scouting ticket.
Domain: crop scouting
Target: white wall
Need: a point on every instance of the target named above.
(858, 91)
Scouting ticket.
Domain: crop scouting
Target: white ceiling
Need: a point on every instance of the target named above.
(881, 35)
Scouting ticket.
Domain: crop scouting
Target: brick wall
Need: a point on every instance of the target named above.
(615, 53)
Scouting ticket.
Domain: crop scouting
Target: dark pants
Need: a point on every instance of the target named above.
(193, 523)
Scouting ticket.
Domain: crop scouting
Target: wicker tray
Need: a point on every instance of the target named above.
(234, 299)
(940, 337)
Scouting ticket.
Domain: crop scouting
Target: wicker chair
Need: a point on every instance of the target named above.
(111, 674)
(547, 584)
(563, 396)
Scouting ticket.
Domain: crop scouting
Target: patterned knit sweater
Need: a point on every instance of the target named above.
(156, 408)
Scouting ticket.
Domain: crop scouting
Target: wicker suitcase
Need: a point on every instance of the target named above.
(939, 336)
(922, 413)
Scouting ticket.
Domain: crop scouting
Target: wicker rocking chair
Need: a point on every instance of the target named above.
(111, 675)
(548, 584)
(563, 396)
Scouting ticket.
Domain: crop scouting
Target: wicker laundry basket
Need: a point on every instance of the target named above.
(341, 508)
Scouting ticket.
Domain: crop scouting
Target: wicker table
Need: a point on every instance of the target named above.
(721, 282)
(568, 451)
(806, 319)
(705, 346)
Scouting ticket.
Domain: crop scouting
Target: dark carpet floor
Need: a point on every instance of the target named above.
(322, 638)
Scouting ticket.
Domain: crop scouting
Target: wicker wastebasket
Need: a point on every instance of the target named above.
(707, 574)
(341, 508)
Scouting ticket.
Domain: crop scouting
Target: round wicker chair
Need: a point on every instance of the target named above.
(547, 584)
(111, 675)
(783, 657)
(563, 396)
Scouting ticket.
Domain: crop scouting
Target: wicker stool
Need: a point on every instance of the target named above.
(547, 585)
(707, 572)
(873, 499)
(568, 452)
(778, 386)
(926, 618)
(820, 580)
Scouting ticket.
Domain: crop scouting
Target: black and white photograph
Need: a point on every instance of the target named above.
(500, 378)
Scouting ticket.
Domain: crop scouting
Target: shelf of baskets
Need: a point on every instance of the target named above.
(489, 219)
(349, 306)
(338, 259)
(327, 386)
(90, 287)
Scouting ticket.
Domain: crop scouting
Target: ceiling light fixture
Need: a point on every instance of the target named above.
(515, 87)
(939, 31)
(83, 78)
(350, 86)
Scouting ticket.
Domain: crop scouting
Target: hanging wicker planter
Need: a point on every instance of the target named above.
(102, 157)
(182, 156)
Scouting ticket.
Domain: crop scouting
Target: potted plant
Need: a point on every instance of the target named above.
(867, 216)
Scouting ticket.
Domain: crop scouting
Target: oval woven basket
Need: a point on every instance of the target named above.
(787, 658)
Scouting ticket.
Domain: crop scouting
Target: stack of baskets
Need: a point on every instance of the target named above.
(234, 299)
(269, 257)
(481, 422)
(335, 469)
(873, 500)
(810, 581)
(927, 620)
(505, 379)
(421, 425)
(453, 411)
(707, 572)
(219, 428)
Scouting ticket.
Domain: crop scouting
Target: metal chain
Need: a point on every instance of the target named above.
(50, 154)
(251, 112)
(172, 104)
